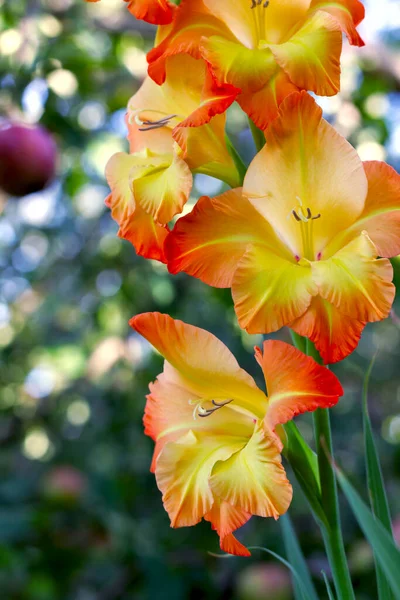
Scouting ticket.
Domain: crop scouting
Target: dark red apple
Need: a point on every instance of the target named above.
(27, 158)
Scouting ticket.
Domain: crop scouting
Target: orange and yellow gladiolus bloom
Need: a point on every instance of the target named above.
(299, 245)
(157, 12)
(267, 49)
(217, 455)
(173, 129)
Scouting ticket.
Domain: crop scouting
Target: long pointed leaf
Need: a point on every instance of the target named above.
(328, 586)
(296, 575)
(380, 540)
(301, 586)
(376, 487)
(296, 559)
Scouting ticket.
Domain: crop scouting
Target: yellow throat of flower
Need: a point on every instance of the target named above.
(258, 8)
(305, 220)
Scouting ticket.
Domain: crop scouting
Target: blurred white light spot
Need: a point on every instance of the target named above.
(391, 429)
(10, 42)
(62, 82)
(331, 105)
(50, 26)
(40, 382)
(371, 151)
(4, 314)
(7, 234)
(206, 185)
(32, 250)
(105, 355)
(78, 412)
(377, 105)
(348, 119)
(135, 61)
(394, 142)
(38, 209)
(92, 116)
(34, 99)
(108, 282)
(139, 349)
(100, 151)
(89, 200)
(36, 444)
(12, 287)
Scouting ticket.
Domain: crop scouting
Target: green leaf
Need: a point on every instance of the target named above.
(296, 559)
(301, 585)
(376, 487)
(299, 341)
(328, 586)
(304, 463)
(380, 540)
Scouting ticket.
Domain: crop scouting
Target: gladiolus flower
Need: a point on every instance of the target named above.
(299, 246)
(173, 129)
(157, 12)
(268, 49)
(217, 455)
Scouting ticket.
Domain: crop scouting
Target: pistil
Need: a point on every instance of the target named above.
(150, 124)
(259, 17)
(201, 411)
(306, 219)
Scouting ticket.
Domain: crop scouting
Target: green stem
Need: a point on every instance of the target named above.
(258, 135)
(332, 533)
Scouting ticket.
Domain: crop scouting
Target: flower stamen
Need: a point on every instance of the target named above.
(200, 411)
(305, 217)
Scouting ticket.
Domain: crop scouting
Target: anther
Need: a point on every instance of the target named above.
(318, 216)
(256, 3)
(206, 412)
(150, 125)
(296, 216)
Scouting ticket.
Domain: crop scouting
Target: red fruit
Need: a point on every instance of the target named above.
(27, 158)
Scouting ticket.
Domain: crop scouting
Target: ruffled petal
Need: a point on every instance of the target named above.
(357, 283)
(262, 106)
(348, 13)
(306, 161)
(311, 57)
(145, 235)
(192, 22)
(225, 519)
(334, 334)
(161, 186)
(205, 365)
(172, 410)
(254, 478)
(381, 215)
(273, 22)
(246, 68)
(183, 470)
(295, 383)
(209, 242)
(205, 151)
(269, 291)
(156, 12)
(215, 99)
(135, 225)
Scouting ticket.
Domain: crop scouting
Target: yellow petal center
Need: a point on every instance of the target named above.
(305, 218)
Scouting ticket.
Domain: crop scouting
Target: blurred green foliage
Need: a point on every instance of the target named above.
(80, 515)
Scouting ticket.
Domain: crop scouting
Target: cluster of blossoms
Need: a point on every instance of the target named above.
(303, 239)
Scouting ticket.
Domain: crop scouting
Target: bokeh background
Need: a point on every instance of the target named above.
(80, 515)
